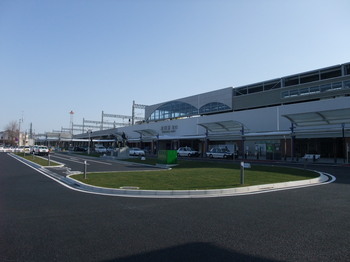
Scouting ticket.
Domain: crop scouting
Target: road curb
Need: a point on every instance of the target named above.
(71, 183)
(239, 191)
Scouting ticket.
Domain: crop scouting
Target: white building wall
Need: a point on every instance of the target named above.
(268, 119)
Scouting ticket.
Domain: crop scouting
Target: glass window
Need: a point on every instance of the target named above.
(304, 91)
(213, 107)
(272, 85)
(240, 91)
(347, 69)
(294, 92)
(291, 81)
(314, 89)
(331, 73)
(337, 85)
(285, 94)
(325, 88)
(255, 89)
(309, 78)
(346, 84)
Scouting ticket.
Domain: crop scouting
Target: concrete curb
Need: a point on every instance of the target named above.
(239, 191)
(36, 165)
(322, 179)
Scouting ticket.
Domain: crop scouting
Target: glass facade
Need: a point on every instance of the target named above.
(173, 109)
(176, 109)
(308, 77)
(315, 89)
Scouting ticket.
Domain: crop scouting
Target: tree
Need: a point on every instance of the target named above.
(12, 130)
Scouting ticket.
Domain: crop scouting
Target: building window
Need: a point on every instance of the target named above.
(309, 78)
(213, 108)
(240, 91)
(325, 88)
(337, 85)
(255, 89)
(347, 69)
(331, 73)
(347, 84)
(272, 85)
(291, 81)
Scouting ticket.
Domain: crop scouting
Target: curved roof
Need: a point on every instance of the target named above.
(223, 126)
(147, 132)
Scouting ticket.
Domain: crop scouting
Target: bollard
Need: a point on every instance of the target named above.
(49, 158)
(242, 173)
(85, 168)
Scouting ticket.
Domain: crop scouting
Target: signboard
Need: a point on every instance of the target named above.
(168, 129)
(245, 165)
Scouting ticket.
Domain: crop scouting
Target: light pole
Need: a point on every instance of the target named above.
(89, 132)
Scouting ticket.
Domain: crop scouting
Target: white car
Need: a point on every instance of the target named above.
(41, 150)
(26, 149)
(100, 149)
(135, 151)
(187, 151)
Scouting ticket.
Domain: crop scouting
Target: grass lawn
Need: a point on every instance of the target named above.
(191, 175)
(38, 160)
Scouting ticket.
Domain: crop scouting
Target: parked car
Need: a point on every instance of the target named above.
(26, 149)
(41, 150)
(80, 149)
(110, 149)
(135, 151)
(100, 149)
(19, 149)
(217, 152)
(8, 149)
(187, 151)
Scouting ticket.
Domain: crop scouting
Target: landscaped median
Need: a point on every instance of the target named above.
(193, 175)
(38, 160)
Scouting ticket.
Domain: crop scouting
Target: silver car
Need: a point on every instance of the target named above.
(217, 152)
(187, 151)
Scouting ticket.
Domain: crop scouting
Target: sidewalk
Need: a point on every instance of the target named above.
(295, 160)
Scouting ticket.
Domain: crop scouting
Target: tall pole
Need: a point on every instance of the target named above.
(71, 121)
(243, 138)
(292, 142)
(133, 113)
(102, 121)
(345, 147)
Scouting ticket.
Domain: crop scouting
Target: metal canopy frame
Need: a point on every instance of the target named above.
(328, 117)
(224, 126)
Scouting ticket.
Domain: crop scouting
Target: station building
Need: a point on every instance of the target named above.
(306, 113)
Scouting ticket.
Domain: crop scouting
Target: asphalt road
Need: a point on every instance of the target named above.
(41, 220)
(94, 164)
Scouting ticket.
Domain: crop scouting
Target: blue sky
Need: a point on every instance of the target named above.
(93, 56)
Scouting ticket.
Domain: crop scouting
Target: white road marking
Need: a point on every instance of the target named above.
(81, 160)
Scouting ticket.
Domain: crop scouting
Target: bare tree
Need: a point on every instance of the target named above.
(12, 130)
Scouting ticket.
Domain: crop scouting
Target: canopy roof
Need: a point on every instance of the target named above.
(223, 126)
(147, 132)
(328, 117)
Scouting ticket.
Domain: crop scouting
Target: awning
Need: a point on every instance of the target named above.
(329, 117)
(147, 132)
(223, 126)
(165, 137)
